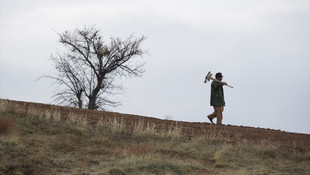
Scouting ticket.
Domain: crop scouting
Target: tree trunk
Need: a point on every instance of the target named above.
(80, 103)
(93, 96)
(91, 104)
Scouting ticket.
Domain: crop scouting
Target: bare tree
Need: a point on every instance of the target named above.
(87, 73)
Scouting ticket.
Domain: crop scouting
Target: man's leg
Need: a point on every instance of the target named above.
(219, 114)
(213, 115)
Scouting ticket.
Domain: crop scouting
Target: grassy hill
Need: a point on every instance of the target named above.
(47, 139)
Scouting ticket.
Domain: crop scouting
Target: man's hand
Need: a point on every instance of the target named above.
(224, 83)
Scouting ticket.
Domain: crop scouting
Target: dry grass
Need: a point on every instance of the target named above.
(44, 142)
(142, 128)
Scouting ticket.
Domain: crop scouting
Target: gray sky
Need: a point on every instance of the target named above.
(262, 47)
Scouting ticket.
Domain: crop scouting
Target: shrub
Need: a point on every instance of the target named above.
(5, 126)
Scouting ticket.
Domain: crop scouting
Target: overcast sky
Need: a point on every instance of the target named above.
(262, 47)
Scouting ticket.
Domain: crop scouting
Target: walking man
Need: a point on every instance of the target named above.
(217, 99)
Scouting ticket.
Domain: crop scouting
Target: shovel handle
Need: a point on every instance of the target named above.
(218, 81)
(229, 86)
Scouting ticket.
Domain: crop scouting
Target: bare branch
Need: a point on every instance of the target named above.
(87, 73)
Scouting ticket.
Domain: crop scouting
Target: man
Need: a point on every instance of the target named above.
(217, 99)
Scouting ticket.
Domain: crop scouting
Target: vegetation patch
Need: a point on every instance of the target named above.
(34, 141)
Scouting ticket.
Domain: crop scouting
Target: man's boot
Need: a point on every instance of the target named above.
(211, 120)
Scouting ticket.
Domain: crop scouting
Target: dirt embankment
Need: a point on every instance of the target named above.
(286, 140)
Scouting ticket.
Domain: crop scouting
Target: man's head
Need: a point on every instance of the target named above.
(219, 76)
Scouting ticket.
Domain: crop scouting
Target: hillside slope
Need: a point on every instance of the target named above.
(190, 129)
(47, 139)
